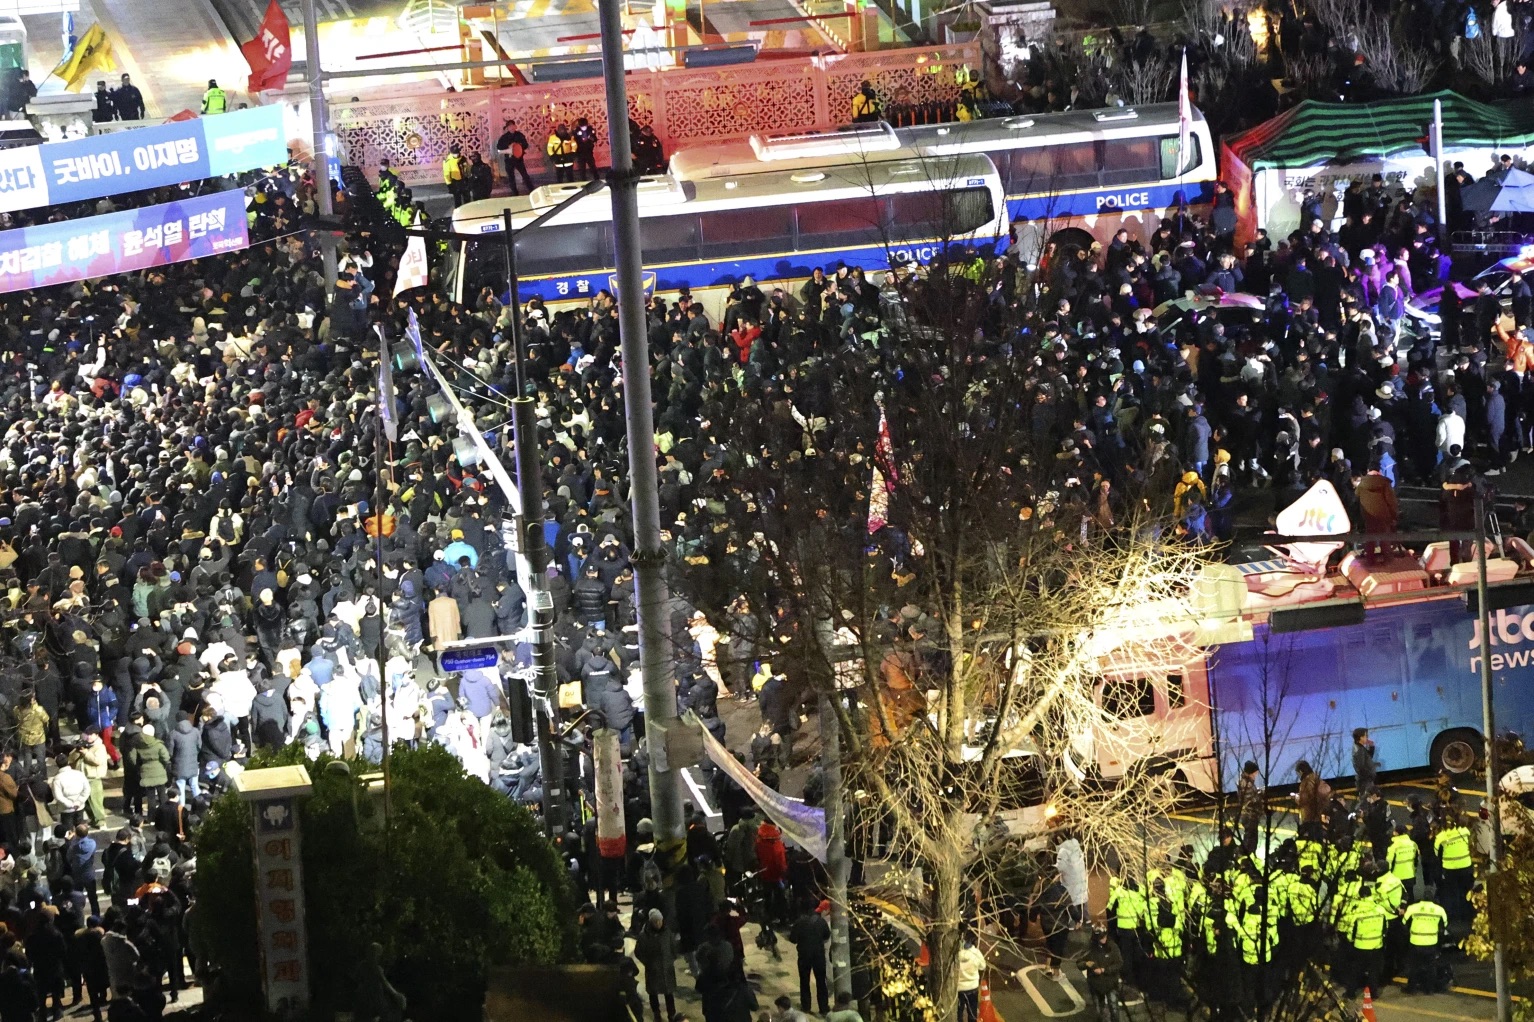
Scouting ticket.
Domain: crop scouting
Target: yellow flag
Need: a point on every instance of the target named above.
(92, 52)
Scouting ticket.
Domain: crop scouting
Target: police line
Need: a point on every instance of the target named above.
(128, 161)
(131, 239)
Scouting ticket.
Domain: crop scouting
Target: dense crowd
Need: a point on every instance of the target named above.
(189, 567)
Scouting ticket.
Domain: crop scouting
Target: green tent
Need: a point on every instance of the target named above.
(1315, 133)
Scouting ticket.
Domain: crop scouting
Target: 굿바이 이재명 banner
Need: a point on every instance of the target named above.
(139, 158)
(131, 239)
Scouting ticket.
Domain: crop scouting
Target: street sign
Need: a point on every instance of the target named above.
(469, 659)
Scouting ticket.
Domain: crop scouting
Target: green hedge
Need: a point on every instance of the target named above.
(462, 880)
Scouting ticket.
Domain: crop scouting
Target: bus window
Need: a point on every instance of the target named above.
(931, 214)
(1128, 697)
(838, 221)
(1018, 784)
(1176, 699)
(1130, 160)
(736, 231)
(568, 248)
(670, 239)
(1052, 168)
(1169, 168)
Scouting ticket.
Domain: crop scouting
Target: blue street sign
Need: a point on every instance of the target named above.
(469, 659)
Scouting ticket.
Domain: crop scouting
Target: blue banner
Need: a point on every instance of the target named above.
(1109, 200)
(132, 239)
(127, 161)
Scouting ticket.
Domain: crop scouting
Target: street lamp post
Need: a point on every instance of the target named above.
(649, 555)
(318, 118)
(1489, 726)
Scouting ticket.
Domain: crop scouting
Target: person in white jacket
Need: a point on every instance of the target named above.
(1451, 433)
(1072, 865)
(971, 966)
(71, 790)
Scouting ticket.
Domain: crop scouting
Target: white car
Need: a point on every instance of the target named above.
(1517, 790)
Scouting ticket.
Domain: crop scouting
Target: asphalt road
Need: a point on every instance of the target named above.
(1031, 996)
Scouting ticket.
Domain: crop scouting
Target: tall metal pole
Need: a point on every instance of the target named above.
(660, 716)
(321, 139)
(1489, 727)
(540, 612)
(837, 864)
(380, 496)
(533, 549)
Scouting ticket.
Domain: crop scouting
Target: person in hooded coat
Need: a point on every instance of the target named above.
(269, 622)
(185, 757)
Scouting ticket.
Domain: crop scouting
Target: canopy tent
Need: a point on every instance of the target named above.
(1315, 135)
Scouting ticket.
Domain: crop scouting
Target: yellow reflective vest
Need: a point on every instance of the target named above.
(1126, 905)
(1453, 848)
(214, 101)
(1366, 924)
(1402, 857)
(561, 150)
(1164, 926)
(1390, 891)
(1425, 923)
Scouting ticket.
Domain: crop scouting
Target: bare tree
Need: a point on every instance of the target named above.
(1148, 81)
(978, 602)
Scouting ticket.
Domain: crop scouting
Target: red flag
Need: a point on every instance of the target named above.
(270, 53)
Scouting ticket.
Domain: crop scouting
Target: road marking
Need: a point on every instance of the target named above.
(1398, 1006)
(1470, 991)
(1024, 976)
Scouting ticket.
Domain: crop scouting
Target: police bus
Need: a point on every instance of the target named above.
(863, 203)
(1079, 176)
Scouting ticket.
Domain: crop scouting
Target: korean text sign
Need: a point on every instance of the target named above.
(128, 161)
(280, 903)
(131, 239)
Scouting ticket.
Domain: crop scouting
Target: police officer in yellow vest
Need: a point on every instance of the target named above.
(1163, 927)
(1401, 858)
(1364, 930)
(1258, 943)
(214, 101)
(1390, 892)
(453, 175)
(1452, 846)
(560, 150)
(1126, 907)
(1425, 924)
(865, 103)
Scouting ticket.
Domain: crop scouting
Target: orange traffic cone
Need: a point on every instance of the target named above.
(1368, 1009)
(988, 1012)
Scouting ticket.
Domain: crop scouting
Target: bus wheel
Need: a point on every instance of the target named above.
(1071, 238)
(1457, 751)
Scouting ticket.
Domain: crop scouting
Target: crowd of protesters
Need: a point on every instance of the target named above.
(188, 568)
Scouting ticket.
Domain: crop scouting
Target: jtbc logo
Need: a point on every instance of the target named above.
(1507, 627)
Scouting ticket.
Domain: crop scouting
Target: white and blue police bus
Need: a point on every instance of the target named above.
(1079, 176)
(814, 201)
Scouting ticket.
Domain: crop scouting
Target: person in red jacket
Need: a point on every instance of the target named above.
(744, 336)
(772, 858)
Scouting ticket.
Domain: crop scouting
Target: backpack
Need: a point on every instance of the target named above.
(226, 528)
(1324, 790)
